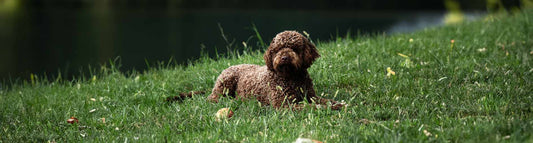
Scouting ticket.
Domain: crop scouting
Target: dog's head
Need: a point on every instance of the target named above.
(290, 52)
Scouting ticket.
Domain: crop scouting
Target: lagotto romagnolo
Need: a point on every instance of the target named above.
(282, 82)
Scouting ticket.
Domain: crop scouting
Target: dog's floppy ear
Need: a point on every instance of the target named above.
(268, 56)
(310, 54)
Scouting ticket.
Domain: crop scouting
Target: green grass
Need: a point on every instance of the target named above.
(479, 89)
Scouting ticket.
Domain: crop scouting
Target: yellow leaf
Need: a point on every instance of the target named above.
(390, 72)
(405, 56)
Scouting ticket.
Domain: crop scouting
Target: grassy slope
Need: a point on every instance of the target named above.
(455, 94)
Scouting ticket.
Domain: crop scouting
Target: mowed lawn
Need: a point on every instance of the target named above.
(469, 82)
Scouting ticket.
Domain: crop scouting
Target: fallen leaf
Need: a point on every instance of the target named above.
(72, 120)
(405, 56)
(223, 113)
(427, 133)
(306, 140)
(390, 72)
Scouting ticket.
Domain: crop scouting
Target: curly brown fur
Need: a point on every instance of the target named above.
(283, 82)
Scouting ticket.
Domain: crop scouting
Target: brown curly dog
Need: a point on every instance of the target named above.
(283, 82)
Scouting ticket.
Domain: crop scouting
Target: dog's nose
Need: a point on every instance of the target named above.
(285, 58)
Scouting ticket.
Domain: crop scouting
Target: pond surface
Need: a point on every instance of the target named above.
(68, 40)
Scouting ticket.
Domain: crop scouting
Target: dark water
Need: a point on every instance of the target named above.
(67, 40)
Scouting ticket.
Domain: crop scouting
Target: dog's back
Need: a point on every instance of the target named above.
(241, 79)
